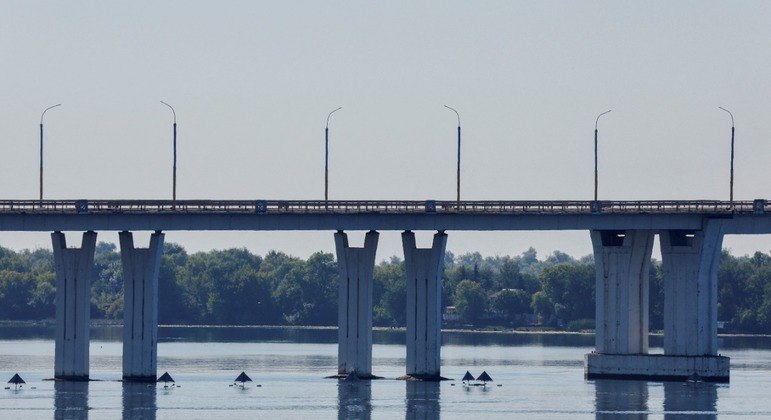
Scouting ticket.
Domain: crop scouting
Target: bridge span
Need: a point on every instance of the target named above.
(738, 217)
(622, 235)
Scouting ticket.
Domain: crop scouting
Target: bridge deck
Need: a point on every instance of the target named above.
(379, 206)
(750, 217)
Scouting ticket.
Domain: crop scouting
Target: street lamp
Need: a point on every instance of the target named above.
(731, 197)
(174, 176)
(326, 154)
(595, 152)
(458, 172)
(41, 148)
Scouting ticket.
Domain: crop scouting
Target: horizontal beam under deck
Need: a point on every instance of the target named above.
(362, 221)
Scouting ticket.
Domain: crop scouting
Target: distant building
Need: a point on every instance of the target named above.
(450, 314)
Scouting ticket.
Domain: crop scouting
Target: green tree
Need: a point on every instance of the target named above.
(107, 282)
(320, 288)
(511, 302)
(288, 297)
(542, 306)
(172, 307)
(656, 296)
(222, 286)
(571, 287)
(390, 293)
(470, 300)
(16, 294)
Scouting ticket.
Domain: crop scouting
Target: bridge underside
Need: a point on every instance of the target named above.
(736, 224)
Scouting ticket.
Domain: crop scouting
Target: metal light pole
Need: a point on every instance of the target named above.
(174, 176)
(458, 171)
(595, 153)
(731, 196)
(41, 148)
(326, 155)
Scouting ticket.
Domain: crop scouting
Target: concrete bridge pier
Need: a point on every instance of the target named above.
(356, 267)
(140, 306)
(423, 269)
(622, 263)
(690, 261)
(73, 305)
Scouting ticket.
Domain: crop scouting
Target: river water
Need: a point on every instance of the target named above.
(535, 376)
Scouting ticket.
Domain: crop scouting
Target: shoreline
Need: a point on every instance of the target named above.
(479, 330)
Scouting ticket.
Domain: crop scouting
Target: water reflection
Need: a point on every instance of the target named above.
(690, 400)
(329, 335)
(615, 398)
(422, 400)
(629, 399)
(139, 401)
(70, 400)
(354, 400)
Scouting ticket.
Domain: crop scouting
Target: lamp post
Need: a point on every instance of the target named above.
(731, 196)
(41, 147)
(595, 153)
(326, 155)
(458, 167)
(174, 175)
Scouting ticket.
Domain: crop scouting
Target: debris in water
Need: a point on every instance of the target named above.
(16, 381)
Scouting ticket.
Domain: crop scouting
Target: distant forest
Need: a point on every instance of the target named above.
(236, 287)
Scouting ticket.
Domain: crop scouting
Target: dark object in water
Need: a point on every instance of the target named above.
(467, 377)
(165, 378)
(243, 378)
(16, 381)
(694, 378)
(351, 377)
(484, 377)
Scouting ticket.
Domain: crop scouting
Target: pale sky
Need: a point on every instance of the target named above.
(252, 83)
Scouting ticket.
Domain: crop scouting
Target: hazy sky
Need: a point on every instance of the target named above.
(253, 81)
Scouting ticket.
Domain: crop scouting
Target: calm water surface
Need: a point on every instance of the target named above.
(540, 376)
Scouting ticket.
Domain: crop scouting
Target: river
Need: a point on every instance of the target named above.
(535, 375)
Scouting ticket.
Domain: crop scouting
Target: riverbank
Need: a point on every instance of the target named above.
(50, 323)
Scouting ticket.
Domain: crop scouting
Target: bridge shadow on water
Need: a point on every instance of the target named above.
(354, 400)
(421, 402)
(70, 400)
(631, 400)
(139, 401)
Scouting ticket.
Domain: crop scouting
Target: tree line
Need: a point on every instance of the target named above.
(236, 287)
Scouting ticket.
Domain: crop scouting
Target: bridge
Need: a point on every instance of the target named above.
(622, 235)
(73, 215)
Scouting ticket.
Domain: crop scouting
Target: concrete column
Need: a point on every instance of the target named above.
(622, 261)
(354, 312)
(140, 306)
(73, 305)
(423, 269)
(690, 262)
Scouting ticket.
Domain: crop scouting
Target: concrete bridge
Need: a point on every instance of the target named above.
(622, 235)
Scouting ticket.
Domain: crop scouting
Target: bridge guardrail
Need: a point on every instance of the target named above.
(378, 206)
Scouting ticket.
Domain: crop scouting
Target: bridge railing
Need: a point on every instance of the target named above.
(378, 206)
